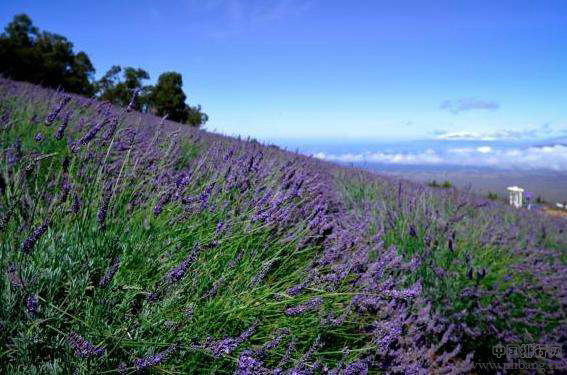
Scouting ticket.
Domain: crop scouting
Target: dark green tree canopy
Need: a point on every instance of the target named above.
(119, 90)
(167, 98)
(28, 54)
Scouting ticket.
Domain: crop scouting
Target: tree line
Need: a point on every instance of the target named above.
(42, 57)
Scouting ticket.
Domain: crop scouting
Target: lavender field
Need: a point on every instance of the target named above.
(130, 243)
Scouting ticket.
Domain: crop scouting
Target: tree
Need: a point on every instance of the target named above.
(119, 91)
(27, 54)
(167, 98)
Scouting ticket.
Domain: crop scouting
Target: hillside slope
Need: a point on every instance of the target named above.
(129, 244)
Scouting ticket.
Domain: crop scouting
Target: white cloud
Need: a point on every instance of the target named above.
(466, 135)
(548, 157)
(506, 134)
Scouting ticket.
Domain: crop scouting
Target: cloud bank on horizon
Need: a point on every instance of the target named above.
(551, 157)
(543, 131)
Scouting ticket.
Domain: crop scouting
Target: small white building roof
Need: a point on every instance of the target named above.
(516, 189)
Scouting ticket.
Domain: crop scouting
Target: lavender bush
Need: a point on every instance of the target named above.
(181, 251)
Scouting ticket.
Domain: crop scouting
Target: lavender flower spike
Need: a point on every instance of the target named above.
(178, 272)
(32, 304)
(83, 348)
(29, 243)
(53, 115)
(153, 360)
(312, 304)
(248, 365)
(89, 136)
(63, 126)
(229, 344)
(103, 210)
(109, 273)
(76, 204)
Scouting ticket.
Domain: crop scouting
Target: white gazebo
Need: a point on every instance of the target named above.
(516, 196)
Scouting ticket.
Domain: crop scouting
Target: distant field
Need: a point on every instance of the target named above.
(552, 186)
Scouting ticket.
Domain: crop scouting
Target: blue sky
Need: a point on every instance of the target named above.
(337, 70)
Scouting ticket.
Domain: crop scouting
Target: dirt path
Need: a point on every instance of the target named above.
(555, 212)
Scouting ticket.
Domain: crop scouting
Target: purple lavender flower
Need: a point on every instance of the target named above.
(229, 344)
(111, 129)
(248, 365)
(219, 227)
(32, 304)
(163, 200)
(405, 294)
(122, 368)
(357, 368)
(312, 304)
(387, 334)
(263, 351)
(65, 188)
(109, 273)
(53, 114)
(257, 279)
(89, 136)
(178, 272)
(155, 359)
(30, 242)
(214, 289)
(234, 261)
(103, 209)
(286, 357)
(39, 137)
(83, 348)
(300, 367)
(76, 204)
(63, 126)
(15, 152)
(296, 289)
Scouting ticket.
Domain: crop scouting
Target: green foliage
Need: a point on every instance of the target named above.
(120, 91)
(27, 54)
(492, 196)
(167, 98)
(445, 185)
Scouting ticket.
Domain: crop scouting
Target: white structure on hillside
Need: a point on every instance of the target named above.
(516, 196)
